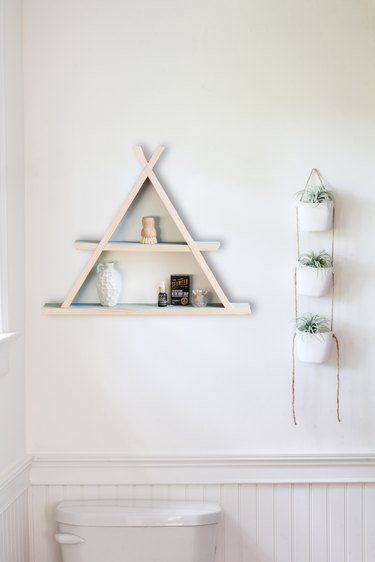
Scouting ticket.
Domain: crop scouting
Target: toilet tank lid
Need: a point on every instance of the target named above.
(137, 513)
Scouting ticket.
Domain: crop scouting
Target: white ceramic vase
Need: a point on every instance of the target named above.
(108, 283)
(313, 348)
(313, 281)
(315, 217)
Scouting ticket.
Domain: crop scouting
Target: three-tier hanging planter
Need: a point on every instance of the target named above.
(314, 277)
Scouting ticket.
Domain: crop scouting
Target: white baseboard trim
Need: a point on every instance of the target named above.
(117, 469)
(14, 481)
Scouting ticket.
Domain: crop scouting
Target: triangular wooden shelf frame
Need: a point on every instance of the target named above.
(69, 307)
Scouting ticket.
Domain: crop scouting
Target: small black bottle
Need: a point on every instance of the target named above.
(162, 298)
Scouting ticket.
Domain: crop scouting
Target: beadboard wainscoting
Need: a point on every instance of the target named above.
(14, 521)
(285, 509)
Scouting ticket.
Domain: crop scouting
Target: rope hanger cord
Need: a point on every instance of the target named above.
(316, 172)
(298, 244)
(294, 382)
(337, 380)
(333, 273)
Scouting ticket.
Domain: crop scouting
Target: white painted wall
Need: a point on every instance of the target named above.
(12, 385)
(14, 465)
(247, 97)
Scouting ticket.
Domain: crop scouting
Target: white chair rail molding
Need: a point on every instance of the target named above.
(273, 507)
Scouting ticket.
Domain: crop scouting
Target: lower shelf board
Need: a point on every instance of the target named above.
(122, 309)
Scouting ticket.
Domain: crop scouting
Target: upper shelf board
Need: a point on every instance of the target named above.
(209, 246)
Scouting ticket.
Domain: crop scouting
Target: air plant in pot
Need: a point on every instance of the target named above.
(314, 273)
(313, 338)
(315, 208)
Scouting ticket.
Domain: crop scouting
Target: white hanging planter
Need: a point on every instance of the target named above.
(313, 348)
(314, 281)
(315, 216)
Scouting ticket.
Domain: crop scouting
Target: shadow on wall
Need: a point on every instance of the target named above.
(353, 279)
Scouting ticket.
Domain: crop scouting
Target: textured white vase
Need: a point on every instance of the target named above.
(313, 348)
(315, 217)
(108, 284)
(313, 281)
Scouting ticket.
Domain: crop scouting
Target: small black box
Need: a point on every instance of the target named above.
(180, 290)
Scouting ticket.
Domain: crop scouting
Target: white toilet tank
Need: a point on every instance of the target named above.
(137, 531)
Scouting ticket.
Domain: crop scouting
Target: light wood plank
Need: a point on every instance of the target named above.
(209, 246)
(112, 227)
(184, 231)
(145, 309)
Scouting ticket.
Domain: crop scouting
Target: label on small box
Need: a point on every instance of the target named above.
(180, 290)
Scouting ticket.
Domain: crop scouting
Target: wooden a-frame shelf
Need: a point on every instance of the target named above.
(106, 244)
(138, 247)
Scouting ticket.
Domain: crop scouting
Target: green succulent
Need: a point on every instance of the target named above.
(313, 324)
(311, 259)
(315, 195)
